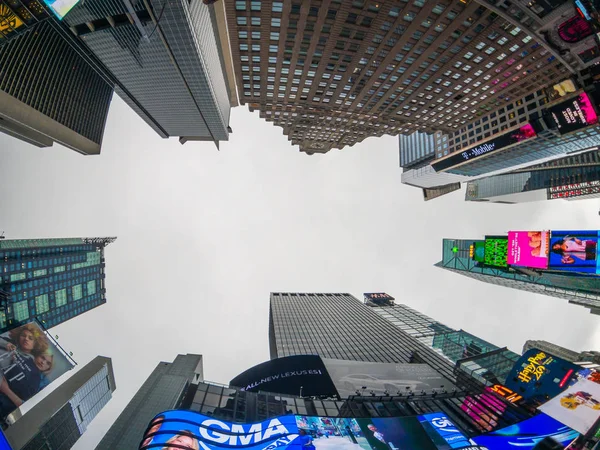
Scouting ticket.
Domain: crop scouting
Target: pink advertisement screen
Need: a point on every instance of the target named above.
(528, 249)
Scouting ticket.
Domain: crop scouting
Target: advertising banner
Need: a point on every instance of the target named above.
(528, 249)
(539, 376)
(527, 434)
(496, 251)
(288, 375)
(484, 409)
(493, 145)
(61, 7)
(573, 114)
(29, 361)
(9, 21)
(578, 407)
(190, 430)
(574, 251)
(351, 376)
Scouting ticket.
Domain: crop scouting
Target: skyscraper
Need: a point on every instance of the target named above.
(163, 390)
(562, 352)
(49, 90)
(332, 74)
(52, 280)
(572, 178)
(579, 290)
(59, 420)
(166, 59)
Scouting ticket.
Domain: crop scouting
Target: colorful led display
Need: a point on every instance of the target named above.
(496, 251)
(573, 114)
(61, 7)
(528, 249)
(574, 251)
(194, 431)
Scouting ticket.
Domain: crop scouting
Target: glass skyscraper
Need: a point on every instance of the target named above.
(579, 290)
(59, 420)
(166, 60)
(51, 280)
(164, 389)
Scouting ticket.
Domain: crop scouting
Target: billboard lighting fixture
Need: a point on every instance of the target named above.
(566, 378)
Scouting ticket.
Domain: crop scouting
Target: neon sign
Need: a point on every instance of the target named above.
(507, 393)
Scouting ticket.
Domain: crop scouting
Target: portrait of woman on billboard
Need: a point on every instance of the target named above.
(575, 251)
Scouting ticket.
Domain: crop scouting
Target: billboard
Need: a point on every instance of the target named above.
(574, 251)
(484, 409)
(29, 361)
(303, 375)
(527, 434)
(496, 251)
(351, 376)
(379, 297)
(477, 251)
(574, 189)
(194, 431)
(573, 114)
(528, 249)
(61, 7)
(493, 145)
(578, 407)
(538, 376)
(506, 393)
(9, 21)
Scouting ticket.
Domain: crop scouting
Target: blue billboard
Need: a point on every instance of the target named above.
(194, 431)
(574, 251)
(526, 435)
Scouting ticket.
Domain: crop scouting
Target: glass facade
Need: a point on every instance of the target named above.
(164, 389)
(51, 280)
(166, 62)
(580, 290)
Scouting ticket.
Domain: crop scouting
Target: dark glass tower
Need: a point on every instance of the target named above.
(163, 390)
(50, 91)
(59, 420)
(51, 280)
(579, 290)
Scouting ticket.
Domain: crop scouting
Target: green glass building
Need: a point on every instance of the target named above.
(51, 280)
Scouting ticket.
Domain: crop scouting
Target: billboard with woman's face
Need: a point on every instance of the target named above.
(29, 361)
(528, 249)
(574, 251)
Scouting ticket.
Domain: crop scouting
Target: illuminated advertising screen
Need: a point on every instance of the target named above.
(376, 296)
(379, 378)
(507, 393)
(496, 251)
(288, 375)
(528, 249)
(527, 434)
(484, 409)
(573, 114)
(9, 21)
(539, 376)
(578, 407)
(29, 361)
(479, 251)
(4, 445)
(190, 430)
(493, 145)
(574, 189)
(574, 251)
(61, 7)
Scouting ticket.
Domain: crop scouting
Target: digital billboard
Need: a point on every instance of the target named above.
(379, 297)
(574, 189)
(496, 251)
(478, 251)
(190, 430)
(303, 375)
(574, 251)
(9, 21)
(493, 145)
(61, 7)
(573, 114)
(527, 434)
(506, 393)
(366, 377)
(528, 249)
(29, 361)
(578, 407)
(484, 409)
(539, 376)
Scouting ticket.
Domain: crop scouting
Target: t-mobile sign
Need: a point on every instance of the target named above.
(503, 141)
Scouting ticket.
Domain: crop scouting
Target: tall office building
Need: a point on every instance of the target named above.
(52, 280)
(49, 90)
(164, 389)
(562, 352)
(339, 326)
(59, 420)
(334, 73)
(572, 178)
(579, 290)
(168, 60)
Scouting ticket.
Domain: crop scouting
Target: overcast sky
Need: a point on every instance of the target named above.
(204, 236)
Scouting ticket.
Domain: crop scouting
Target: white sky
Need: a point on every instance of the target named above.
(205, 236)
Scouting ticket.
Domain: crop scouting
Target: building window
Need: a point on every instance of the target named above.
(41, 304)
(255, 21)
(240, 5)
(275, 22)
(255, 5)
(242, 20)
